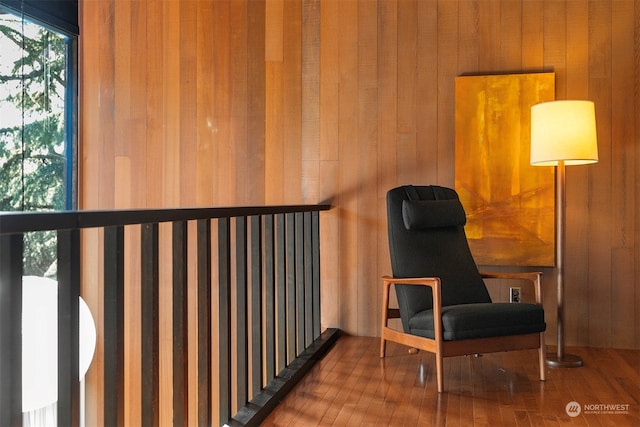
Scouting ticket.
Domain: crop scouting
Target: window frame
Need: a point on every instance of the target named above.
(60, 16)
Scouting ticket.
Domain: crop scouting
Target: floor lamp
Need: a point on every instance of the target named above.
(563, 133)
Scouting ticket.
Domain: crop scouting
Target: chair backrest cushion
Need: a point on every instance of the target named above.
(423, 214)
(427, 239)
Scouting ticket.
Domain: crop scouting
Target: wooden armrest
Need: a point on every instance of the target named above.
(387, 313)
(422, 281)
(535, 277)
(432, 282)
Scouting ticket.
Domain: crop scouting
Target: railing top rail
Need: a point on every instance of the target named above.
(23, 222)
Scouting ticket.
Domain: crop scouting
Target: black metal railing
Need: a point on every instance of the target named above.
(262, 263)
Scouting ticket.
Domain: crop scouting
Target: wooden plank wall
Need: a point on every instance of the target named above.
(236, 102)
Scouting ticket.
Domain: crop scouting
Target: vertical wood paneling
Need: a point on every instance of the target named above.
(138, 162)
(489, 12)
(577, 177)
(387, 58)
(554, 59)
(623, 148)
(138, 102)
(122, 83)
(155, 107)
(406, 91)
(468, 30)
(205, 108)
(291, 160)
(600, 210)
(532, 43)
(188, 36)
(238, 108)
(274, 92)
(241, 102)
(329, 78)
(554, 42)
(170, 170)
(447, 69)
(510, 36)
(255, 103)
(636, 117)
(348, 154)
(328, 156)
(188, 100)
(88, 47)
(106, 115)
(169, 181)
(427, 94)
(274, 30)
(310, 150)
(368, 297)
(274, 132)
(221, 93)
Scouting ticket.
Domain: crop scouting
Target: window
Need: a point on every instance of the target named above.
(37, 126)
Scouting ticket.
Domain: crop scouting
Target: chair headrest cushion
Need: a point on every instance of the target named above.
(421, 214)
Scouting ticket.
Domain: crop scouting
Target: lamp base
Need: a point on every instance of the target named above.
(567, 361)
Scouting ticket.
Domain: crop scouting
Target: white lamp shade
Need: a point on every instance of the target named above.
(40, 341)
(563, 131)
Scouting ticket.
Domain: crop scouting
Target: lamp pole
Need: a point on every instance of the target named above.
(560, 359)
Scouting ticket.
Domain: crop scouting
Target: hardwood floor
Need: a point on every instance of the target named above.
(352, 386)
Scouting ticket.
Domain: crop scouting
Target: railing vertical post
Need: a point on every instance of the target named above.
(68, 327)
(224, 320)
(308, 281)
(11, 248)
(180, 326)
(269, 297)
(281, 280)
(114, 326)
(290, 309)
(300, 288)
(204, 322)
(315, 235)
(256, 304)
(149, 324)
(241, 312)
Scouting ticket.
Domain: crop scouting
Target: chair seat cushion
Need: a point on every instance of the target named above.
(466, 321)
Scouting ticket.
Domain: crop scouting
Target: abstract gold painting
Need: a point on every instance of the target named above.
(510, 204)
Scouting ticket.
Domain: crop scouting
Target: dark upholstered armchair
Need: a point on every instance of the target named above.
(443, 302)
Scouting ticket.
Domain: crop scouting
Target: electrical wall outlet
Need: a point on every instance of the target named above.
(514, 294)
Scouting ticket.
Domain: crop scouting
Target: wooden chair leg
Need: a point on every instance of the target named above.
(385, 317)
(440, 372)
(541, 357)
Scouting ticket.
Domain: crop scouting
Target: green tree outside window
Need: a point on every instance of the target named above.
(32, 139)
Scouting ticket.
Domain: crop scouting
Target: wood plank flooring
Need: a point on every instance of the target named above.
(352, 386)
